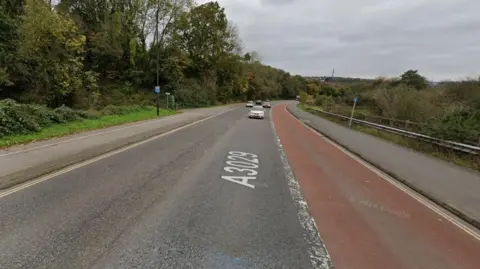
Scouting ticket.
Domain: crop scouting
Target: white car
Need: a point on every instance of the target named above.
(257, 112)
(249, 104)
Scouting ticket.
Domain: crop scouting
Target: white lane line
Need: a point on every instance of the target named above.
(412, 193)
(91, 135)
(319, 256)
(106, 155)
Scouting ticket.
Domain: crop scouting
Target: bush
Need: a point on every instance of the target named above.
(191, 94)
(304, 97)
(67, 114)
(18, 118)
(43, 115)
(14, 119)
(461, 126)
(324, 101)
(405, 103)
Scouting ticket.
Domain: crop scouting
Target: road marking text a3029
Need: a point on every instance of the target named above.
(243, 163)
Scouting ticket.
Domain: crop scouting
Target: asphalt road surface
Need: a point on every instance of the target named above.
(164, 204)
(364, 218)
(220, 194)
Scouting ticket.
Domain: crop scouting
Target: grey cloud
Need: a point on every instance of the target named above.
(276, 2)
(365, 38)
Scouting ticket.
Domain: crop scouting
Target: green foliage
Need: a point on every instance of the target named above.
(120, 110)
(50, 50)
(412, 79)
(324, 101)
(17, 119)
(14, 119)
(89, 54)
(404, 103)
(449, 110)
(304, 97)
(461, 126)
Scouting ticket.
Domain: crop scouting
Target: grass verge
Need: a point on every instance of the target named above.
(459, 158)
(58, 130)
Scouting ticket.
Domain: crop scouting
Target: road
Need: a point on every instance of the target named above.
(367, 222)
(162, 204)
(220, 194)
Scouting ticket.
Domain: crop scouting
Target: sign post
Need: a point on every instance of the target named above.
(353, 110)
(168, 95)
(157, 91)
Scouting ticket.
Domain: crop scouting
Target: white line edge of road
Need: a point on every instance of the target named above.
(319, 256)
(412, 193)
(95, 134)
(98, 158)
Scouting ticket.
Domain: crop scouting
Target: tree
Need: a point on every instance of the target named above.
(205, 36)
(88, 53)
(50, 50)
(412, 79)
(203, 33)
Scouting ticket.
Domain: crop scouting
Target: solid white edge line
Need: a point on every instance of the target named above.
(319, 256)
(412, 193)
(98, 158)
(95, 134)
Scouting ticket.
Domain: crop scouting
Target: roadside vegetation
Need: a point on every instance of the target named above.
(447, 110)
(89, 54)
(22, 123)
(70, 56)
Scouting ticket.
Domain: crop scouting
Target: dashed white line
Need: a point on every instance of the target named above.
(319, 256)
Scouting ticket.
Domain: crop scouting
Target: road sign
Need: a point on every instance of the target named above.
(355, 99)
(167, 93)
(157, 89)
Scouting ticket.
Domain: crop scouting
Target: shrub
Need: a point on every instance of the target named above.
(14, 119)
(43, 115)
(406, 103)
(324, 101)
(461, 126)
(191, 94)
(67, 114)
(304, 97)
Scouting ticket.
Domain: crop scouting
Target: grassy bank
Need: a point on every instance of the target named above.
(62, 129)
(456, 157)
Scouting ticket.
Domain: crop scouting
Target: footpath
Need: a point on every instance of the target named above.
(455, 188)
(21, 163)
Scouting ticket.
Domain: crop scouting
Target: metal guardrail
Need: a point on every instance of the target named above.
(444, 143)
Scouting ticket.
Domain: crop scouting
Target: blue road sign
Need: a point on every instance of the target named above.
(355, 99)
(157, 89)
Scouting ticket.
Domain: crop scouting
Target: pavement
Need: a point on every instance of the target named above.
(25, 162)
(226, 192)
(453, 187)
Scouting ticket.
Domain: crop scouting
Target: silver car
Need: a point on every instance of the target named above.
(257, 112)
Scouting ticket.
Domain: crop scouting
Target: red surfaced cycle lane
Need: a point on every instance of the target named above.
(365, 221)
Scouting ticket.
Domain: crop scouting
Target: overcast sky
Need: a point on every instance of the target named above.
(362, 38)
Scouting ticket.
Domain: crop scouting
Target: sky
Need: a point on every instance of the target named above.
(362, 38)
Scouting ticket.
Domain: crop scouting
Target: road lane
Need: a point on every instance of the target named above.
(162, 204)
(365, 221)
